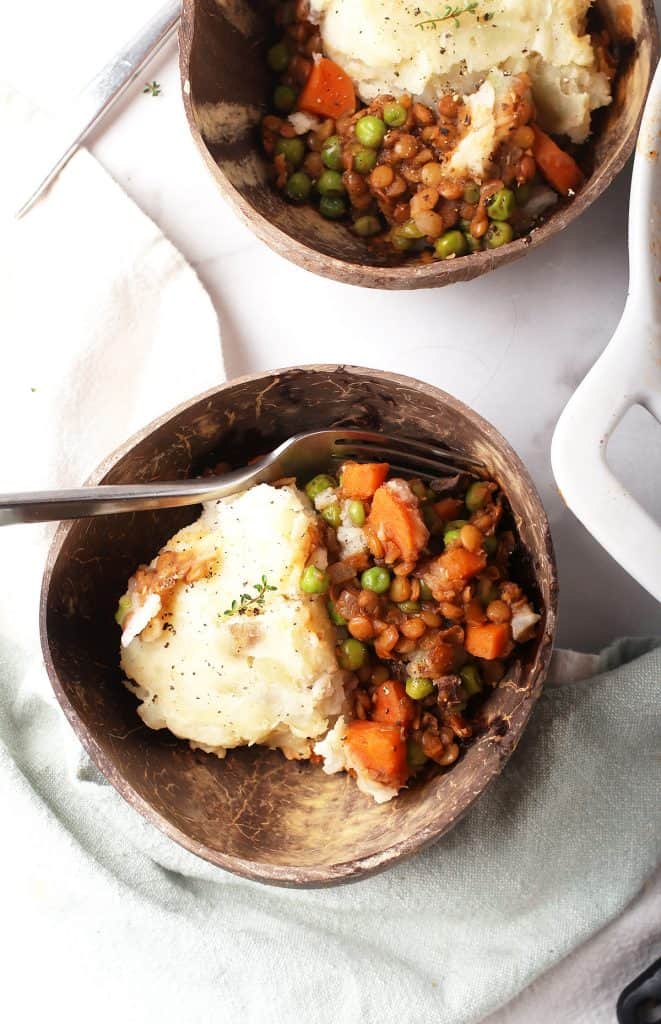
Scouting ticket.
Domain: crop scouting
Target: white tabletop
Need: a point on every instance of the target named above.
(513, 344)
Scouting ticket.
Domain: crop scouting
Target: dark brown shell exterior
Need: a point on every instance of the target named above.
(222, 51)
(255, 813)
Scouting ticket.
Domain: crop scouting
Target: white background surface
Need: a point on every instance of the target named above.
(513, 344)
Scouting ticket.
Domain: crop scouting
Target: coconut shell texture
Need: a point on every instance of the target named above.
(255, 813)
(226, 89)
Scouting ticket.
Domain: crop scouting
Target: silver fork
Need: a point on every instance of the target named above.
(299, 456)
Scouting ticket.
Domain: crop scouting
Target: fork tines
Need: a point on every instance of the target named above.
(407, 455)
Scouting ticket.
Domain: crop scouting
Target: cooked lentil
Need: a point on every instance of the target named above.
(394, 154)
(426, 631)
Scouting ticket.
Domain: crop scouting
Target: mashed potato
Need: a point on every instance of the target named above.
(266, 676)
(381, 45)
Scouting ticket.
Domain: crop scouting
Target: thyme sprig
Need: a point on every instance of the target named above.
(450, 13)
(153, 88)
(245, 601)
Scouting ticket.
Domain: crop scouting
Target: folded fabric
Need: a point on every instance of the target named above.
(104, 327)
(558, 845)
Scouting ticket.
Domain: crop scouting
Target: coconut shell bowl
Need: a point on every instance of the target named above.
(226, 87)
(255, 813)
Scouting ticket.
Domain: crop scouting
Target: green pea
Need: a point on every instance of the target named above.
(449, 245)
(298, 187)
(419, 687)
(376, 579)
(364, 160)
(415, 755)
(499, 233)
(277, 57)
(522, 194)
(357, 513)
(366, 226)
(318, 484)
(410, 607)
(472, 193)
(353, 654)
(490, 545)
(332, 207)
(394, 114)
(501, 206)
(420, 490)
(330, 184)
(331, 153)
(470, 677)
(474, 244)
(333, 514)
(123, 609)
(293, 151)
(284, 99)
(335, 615)
(399, 242)
(451, 537)
(314, 581)
(425, 592)
(370, 131)
(409, 229)
(476, 495)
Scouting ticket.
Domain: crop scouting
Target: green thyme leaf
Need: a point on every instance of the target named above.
(247, 601)
(450, 13)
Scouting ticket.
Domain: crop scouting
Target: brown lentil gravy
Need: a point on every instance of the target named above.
(427, 613)
(391, 185)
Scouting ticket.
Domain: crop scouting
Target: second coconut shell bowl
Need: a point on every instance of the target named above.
(254, 813)
(226, 86)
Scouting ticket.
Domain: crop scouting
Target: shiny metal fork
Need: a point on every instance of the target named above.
(299, 456)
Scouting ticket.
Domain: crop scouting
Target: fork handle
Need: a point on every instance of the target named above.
(94, 102)
(109, 499)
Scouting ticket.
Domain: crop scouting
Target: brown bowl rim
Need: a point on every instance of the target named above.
(406, 276)
(292, 876)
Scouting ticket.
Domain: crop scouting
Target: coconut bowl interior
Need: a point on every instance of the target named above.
(255, 813)
(226, 89)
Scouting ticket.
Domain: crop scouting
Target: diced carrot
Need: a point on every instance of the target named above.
(380, 749)
(448, 508)
(396, 520)
(489, 641)
(461, 564)
(361, 479)
(328, 91)
(559, 168)
(392, 704)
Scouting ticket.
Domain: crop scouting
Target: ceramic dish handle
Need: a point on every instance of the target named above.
(628, 373)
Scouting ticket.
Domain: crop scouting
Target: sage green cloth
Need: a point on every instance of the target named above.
(109, 918)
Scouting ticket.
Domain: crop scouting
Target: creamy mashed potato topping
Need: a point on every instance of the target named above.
(266, 675)
(385, 47)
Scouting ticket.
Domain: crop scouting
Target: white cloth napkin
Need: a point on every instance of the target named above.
(105, 327)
